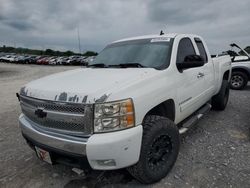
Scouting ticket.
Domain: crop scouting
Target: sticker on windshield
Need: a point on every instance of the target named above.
(160, 39)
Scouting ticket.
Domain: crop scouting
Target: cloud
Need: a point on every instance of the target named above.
(19, 25)
(179, 12)
(53, 24)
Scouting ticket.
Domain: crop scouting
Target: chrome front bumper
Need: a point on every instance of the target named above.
(106, 151)
(61, 142)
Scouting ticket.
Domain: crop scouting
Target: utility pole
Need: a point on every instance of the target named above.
(79, 42)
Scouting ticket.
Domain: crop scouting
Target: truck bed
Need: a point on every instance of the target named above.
(221, 64)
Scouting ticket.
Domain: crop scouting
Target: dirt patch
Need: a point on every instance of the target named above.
(7, 73)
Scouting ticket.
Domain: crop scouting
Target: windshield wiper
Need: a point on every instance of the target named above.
(136, 65)
(99, 65)
(122, 65)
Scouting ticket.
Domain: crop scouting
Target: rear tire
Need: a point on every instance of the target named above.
(238, 80)
(219, 101)
(159, 150)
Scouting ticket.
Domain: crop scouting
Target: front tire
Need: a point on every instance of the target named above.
(159, 150)
(219, 101)
(238, 80)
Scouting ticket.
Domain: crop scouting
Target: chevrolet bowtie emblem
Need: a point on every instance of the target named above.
(40, 113)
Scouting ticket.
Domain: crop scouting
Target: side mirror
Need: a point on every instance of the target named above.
(191, 61)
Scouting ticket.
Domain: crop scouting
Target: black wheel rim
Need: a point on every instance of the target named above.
(159, 152)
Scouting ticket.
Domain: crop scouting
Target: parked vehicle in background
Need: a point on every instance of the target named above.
(59, 60)
(33, 59)
(38, 58)
(71, 60)
(83, 61)
(27, 59)
(8, 58)
(240, 69)
(52, 60)
(39, 61)
(45, 60)
(19, 59)
(42, 61)
(128, 108)
(23, 59)
(76, 60)
(89, 59)
(2, 57)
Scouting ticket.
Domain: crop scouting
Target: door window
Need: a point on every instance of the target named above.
(185, 48)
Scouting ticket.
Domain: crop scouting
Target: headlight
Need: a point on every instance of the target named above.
(112, 116)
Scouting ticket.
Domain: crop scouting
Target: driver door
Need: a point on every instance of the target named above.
(192, 83)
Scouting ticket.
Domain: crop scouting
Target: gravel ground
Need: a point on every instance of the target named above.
(215, 153)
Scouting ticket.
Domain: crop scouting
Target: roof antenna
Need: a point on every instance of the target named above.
(161, 33)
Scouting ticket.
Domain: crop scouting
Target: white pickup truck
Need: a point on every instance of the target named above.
(128, 108)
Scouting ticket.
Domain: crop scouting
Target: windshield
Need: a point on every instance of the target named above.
(148, 53)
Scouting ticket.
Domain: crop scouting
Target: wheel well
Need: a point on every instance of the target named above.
(226, 75)
(165, 109)
(242, 70)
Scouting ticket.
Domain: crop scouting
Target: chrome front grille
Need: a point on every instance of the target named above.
(54, 106)
(62, 117)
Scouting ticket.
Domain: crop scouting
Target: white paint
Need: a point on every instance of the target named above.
(169, 35)
(245, 64)
(122, 146)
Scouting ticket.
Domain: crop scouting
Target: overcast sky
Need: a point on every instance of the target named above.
(53, 24)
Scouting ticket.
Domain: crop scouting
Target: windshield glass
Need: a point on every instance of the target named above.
(147, 53)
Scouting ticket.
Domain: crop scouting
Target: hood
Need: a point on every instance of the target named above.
(85, 85)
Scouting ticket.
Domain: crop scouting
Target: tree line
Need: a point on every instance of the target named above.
(9, 49)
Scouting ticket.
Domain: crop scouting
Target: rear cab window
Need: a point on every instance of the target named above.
(201, 49)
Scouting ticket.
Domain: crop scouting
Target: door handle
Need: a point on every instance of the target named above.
(200, 75)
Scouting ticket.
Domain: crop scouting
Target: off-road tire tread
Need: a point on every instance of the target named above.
(150, 121)
(218, 100)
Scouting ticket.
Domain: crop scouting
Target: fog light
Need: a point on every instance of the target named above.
(107, 162)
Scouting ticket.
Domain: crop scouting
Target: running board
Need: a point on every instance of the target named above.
(194, 118)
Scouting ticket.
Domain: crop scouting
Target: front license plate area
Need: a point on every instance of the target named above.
(43, 155)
